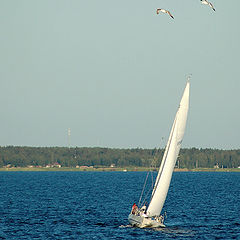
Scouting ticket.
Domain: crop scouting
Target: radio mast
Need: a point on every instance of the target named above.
(69, 135)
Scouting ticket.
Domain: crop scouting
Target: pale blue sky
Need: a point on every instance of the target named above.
(114, 72)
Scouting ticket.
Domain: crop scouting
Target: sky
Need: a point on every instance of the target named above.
(114, 72)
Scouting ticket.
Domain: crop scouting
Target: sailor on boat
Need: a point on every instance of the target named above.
(139, 218)
(143, 212)
(143, 208)
(134, 209)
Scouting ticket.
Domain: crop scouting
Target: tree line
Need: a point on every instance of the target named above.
(98, 157)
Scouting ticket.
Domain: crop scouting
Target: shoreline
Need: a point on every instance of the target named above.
(108, 169)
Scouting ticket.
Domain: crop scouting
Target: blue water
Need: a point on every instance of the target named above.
(95, 205)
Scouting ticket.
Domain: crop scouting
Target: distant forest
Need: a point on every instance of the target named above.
(99, 157)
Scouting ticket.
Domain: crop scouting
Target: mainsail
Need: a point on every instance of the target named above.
(164, 176)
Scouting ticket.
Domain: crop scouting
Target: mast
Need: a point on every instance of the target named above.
(164, 176)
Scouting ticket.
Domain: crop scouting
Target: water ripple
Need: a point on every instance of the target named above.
(95, 205)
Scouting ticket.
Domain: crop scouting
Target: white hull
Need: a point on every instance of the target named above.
(144, 222)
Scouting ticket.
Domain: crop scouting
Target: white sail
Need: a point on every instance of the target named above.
(164, 176)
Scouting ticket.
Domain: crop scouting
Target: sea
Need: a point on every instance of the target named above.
(95, 205)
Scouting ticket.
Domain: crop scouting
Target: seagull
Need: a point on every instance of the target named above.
(208, 3)
(164, 11)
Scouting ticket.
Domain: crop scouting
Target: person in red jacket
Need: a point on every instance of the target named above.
(134, 208)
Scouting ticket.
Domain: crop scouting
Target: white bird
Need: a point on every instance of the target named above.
(205, 2)
(164, 11)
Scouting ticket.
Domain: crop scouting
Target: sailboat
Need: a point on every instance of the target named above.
(151, 216)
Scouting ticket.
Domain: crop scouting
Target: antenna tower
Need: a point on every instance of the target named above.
(69, 135)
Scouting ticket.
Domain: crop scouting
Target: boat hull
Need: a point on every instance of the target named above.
(144, 222)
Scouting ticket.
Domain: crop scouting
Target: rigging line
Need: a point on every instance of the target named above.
(163, 160)
(143, 189)
(155, 187)
(149, 191)
(155, 157)
(154, 190)
(151, 188)
(140, 203)
(152, 181)
(166, 150)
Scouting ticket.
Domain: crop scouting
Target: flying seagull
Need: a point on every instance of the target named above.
(164, 11)
(208, 3)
